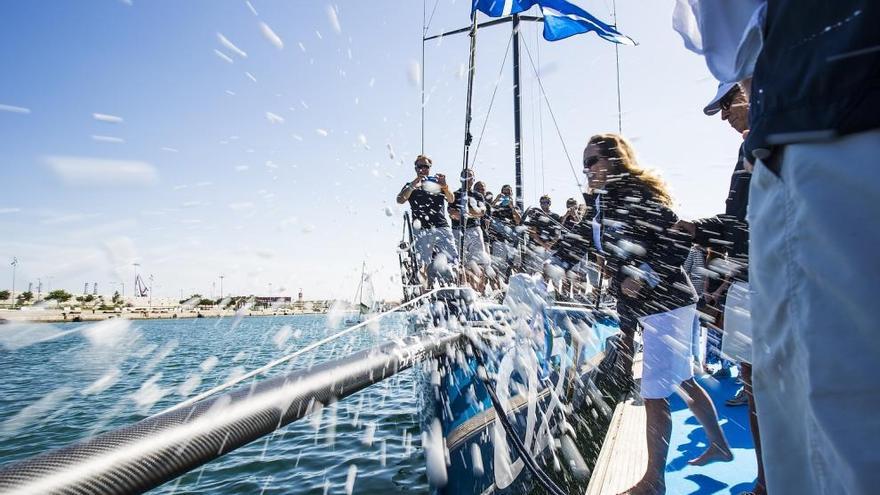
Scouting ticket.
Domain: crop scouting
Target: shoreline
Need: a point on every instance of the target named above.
(57, 316)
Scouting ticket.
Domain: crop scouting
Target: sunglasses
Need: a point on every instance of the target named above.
(545, 202)
(422, 165)
(728, 100)
(589, 162)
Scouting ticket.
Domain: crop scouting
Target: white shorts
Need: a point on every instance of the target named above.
(736, 345)
(667, 357)
(439, 238)
(474, 246)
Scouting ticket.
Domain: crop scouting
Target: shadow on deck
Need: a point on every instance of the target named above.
(623, 458)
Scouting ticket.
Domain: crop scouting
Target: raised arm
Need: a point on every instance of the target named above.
(408, 188)
(444, 188)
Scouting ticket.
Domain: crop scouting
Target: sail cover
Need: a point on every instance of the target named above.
(562, 19)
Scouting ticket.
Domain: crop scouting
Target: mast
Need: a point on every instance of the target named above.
(517, 116)
(361, 286)
(358, 294)
(463, 203)
(424, 33)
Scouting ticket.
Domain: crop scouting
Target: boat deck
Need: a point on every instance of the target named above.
(624, 456)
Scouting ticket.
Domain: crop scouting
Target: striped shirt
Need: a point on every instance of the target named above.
(695, 267)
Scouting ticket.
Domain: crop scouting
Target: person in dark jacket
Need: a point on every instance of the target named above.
(645, 255)
(729, 233)
(504, 238)
(543, 233)
(566, 263)
(814, 269)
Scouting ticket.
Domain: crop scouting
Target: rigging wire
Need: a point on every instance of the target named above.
(426, 24)
(422, 78)
(433, 11)
(491, 102)
(617, 61)
(501, 415)
(553, 116)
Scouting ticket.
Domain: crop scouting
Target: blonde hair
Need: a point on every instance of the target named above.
(621, 155)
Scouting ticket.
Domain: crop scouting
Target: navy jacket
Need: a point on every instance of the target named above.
(729, 232)
(818, 75)
(636, 231)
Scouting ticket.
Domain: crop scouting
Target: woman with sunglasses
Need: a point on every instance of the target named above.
(645, 254)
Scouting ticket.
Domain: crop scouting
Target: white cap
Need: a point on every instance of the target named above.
(714, 106)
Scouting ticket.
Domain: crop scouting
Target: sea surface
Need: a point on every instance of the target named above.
(65, 382)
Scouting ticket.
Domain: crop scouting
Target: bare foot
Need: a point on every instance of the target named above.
(757, 490)
(712, 454)
(647, 487)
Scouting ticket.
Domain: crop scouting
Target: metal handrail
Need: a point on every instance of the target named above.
(142, 456)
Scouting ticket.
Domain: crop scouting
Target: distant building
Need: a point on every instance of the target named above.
(268, 301)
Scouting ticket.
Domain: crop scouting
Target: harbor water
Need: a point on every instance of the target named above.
(63, 383)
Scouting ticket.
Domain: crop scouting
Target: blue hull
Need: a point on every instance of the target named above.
(540, 378)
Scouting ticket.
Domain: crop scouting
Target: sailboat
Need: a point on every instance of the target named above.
(364, 296)
(512, 389)
(516, 408)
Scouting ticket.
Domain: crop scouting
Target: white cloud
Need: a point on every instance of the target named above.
(98, 172)
(9, 210)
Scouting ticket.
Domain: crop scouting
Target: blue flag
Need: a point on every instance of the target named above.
(502, 8)
(561, 18)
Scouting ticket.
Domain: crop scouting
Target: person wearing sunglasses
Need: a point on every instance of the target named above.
(645, 255)
(428, 196)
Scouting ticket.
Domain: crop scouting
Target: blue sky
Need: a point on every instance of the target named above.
(288, 178)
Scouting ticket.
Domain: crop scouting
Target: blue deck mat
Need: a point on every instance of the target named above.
(688, 441)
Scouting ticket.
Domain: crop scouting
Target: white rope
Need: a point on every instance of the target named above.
(294, 354)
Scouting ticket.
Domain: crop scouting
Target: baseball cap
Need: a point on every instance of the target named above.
(714, 106)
